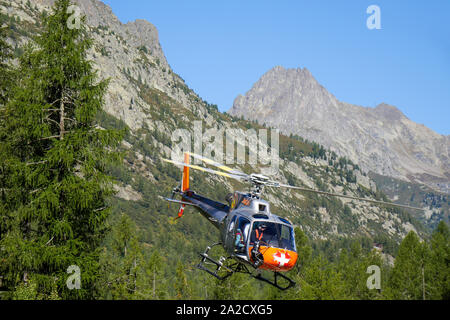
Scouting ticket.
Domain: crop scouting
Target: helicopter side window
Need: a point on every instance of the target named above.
(232, 223)
(242, 234)
(287, 239)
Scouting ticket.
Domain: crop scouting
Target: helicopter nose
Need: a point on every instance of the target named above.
(280, 259)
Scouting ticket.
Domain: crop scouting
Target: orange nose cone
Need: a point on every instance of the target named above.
(280, 259)
(277, 259)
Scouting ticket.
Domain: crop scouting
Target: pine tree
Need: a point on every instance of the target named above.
(54, 186)
(183, 288)
(320, 281)
(353, 265)
(304, 249)
(439, 269)
(6, 80)
(121, 261)
(238, 286)
(156, 287)
(127, 272)
(408, 279)
(5, 87)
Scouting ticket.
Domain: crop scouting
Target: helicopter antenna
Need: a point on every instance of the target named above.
(259, 181)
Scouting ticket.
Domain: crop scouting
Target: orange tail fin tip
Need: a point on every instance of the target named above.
(184, 183)
(185, 180)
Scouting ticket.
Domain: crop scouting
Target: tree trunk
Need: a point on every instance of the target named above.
(61, 119)
(135, 275)
(154, 282)
(423, 283)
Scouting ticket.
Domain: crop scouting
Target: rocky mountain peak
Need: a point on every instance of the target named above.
(286, 87)
(144, 34)
(380, 139)
(297, 77)
(152, 101)
(138, 33)
(389, 112)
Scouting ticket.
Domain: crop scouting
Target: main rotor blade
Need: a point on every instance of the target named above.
(217, 164)
(348, 197)
(193, 166)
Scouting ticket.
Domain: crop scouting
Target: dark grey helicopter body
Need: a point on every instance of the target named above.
(250, 234)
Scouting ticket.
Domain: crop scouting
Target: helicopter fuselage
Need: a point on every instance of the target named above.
(249, 232)
(240, 224)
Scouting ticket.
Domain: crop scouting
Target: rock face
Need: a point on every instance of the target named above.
(129, 55)
(121, 52)
(381, 139)
(153, 101)
(138, 32)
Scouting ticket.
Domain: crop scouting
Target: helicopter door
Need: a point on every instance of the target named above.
(241, 236)
(230, 232)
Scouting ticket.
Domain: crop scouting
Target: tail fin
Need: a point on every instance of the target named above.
(185, 179)
(184, 185)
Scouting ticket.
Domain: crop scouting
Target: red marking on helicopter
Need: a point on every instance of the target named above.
(180, 213)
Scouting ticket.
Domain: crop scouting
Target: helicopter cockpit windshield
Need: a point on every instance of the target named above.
(273, 235)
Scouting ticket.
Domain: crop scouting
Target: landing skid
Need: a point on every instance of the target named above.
(275, 283)
(219, 265)
(240, 267)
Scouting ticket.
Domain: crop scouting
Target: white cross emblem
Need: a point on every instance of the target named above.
(282, 258)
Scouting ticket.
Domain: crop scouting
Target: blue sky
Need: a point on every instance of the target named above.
(221, 48)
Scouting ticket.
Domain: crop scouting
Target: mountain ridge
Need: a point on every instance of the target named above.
(146, 257)
(147, 97)
(380, 139)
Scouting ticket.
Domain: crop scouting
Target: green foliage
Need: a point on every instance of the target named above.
(128, 272)
(320, 280)
(294, 148)
(304, 249)
(439, 264)
(182, 286)
(416, 195)
(421, 270)
(26, 291)
(409, 276)
(353, 266)
(53, 178)
(55, 185)
(29, 291)
(236, 287)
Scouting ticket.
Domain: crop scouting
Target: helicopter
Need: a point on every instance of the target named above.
(252, 236)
